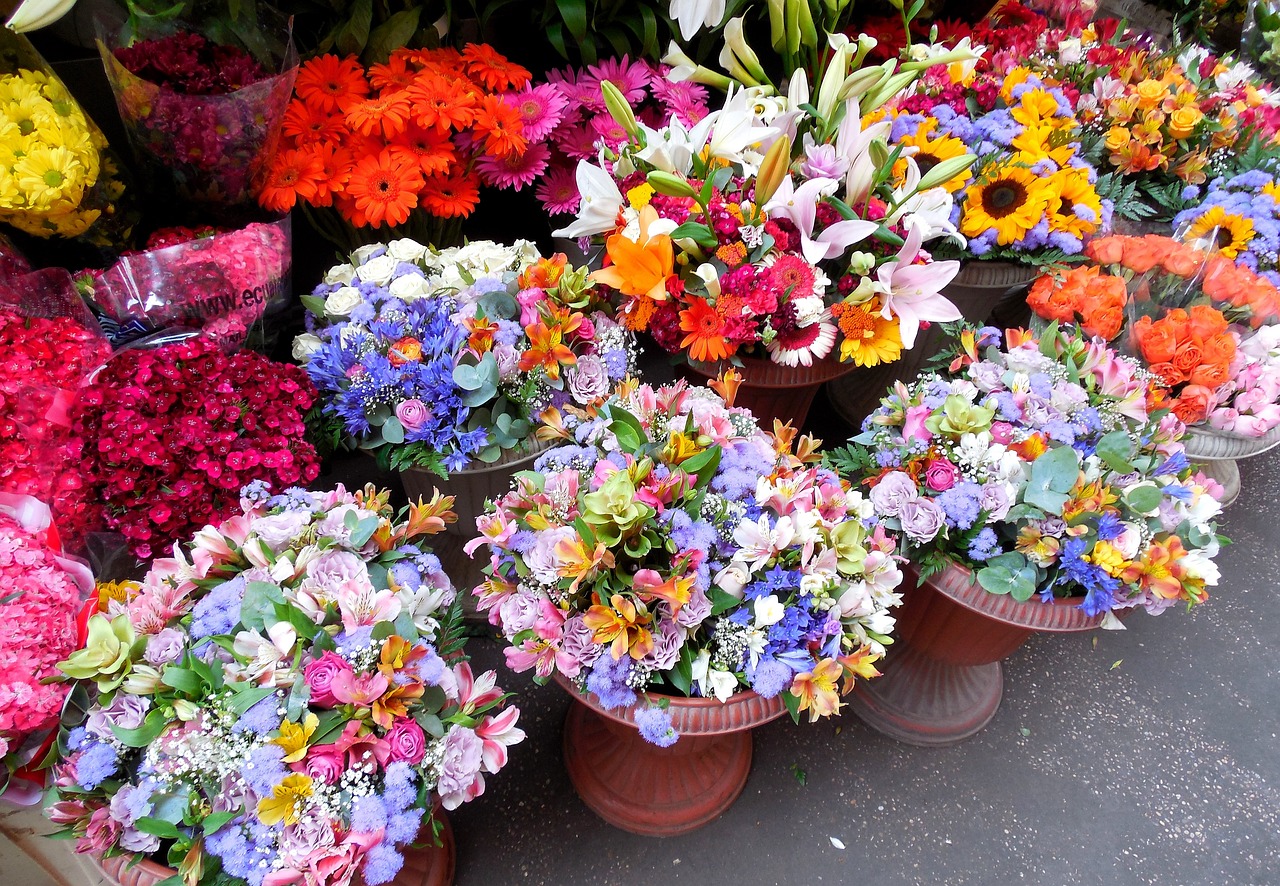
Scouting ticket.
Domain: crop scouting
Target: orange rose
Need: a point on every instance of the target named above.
(1221, 278)
(1105, 322)
(1219, 349)
(1106, 250)
(1141, 254)
(1183, 121)
(1211, 375)
(1150, 93)
(1182, 260)
(1204, 322)
(1047, 298)
(1187, 358)
(1117, 138)
(1157, 342)
(1192, 405)
(1170, 376)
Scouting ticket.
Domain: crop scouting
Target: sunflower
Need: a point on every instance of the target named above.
(1229, 232)
(1011, 200)
(932, 149)
(869, 339)
(385, 188)
(1079, 208)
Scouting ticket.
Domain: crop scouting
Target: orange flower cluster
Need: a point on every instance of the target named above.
(1084, 296)
(1190, 352)
(377, 144)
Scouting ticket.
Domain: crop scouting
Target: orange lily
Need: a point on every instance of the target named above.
(621, 624)
(727, 385)
(1160, 570)
(546, 350)
(968, 351)
(394, 703)
(817, 689)
(860, 663)
(578, 563)
(545, 273)
(639, 268)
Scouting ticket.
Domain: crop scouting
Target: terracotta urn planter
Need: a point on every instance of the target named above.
(473, 485)
(1215, 453)
(773, 391)
(943, 681)
(429, 865)
(662, 792)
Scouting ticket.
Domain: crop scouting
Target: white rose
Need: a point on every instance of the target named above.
(406, 250)
(364, 252)
(732, 579)
(1128, 541)
(304, 346)
(1070, 51)
(377, 271)
(342, 302)
(410, 287)
(343, 274)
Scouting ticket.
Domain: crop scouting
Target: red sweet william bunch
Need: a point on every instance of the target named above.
(42, 364)
(178, 430)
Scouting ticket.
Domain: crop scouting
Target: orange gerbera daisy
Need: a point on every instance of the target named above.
(399, 71)
(428, 148)
(307, 124)
(329, 83)
(441, 104)
(387, 114)
(451, 196)
(337, 163)
(385, 188)
(493, 69)
(294, 175)
(705, 328)
(499, 125)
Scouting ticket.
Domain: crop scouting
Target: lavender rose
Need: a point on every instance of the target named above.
(893, 491)
(280, 530)
(922, 519)
(309, 838)
(407, 741)
(995, 500)
(164, 647)
(460, 779)
(413, 414)
(579, 646)
(589, 379)
(125, 711)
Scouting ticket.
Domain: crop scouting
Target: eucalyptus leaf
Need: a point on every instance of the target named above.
(393, 430)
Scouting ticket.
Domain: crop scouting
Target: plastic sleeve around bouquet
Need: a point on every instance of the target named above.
(63, 180)
(206, 149)
(1260, 34)
(225, 286)
(28, 708)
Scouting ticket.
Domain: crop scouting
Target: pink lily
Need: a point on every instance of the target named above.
(475, 693)
(912, 292)
(499, 733)
(800, 207)
(361, 691)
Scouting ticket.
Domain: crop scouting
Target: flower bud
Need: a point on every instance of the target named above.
(620, 110)
(945, 171)
(773, 169)
(671, 185)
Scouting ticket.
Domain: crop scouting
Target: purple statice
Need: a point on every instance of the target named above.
(961, 504)
(655, 726)
(219, 611)
(368, 814)
(264, 769)
(984, 546)
(608, 680)
(381, 864)
(261, 718)
(97, 762)
(771, 677)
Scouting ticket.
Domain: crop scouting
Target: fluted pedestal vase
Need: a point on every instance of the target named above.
(1215, 453)
(662, 792)
(773, 391)
(426, 865)
(943, 683)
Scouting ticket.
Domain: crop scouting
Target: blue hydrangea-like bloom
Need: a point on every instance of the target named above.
(771, 677)
(97, 762)
(608, 680)
(655, 726)
(219, 612)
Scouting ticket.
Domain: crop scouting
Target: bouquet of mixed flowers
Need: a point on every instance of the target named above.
(671, 545)
(407, 143)
(438, 359)
(1182, 310)
(172, 433)
(1251, 406)
(59, 178)
(201, 115)
(1238, 217)
(1030, 196)
(46, 361)
(282, 701)
(43, 595)
(769, 228)
(1045, 467)
(569, 110)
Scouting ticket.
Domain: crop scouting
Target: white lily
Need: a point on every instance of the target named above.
(601, 201)
(32, 15)
(929, 210)
(733, 128)
(854, 143)
(694, 15)
(672, 148)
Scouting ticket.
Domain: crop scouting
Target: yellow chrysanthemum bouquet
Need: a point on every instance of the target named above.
(57, 178)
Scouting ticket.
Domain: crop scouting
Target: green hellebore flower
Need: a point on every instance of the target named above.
(614, 504)
(846, 541)
(106, 655)
(959, 416)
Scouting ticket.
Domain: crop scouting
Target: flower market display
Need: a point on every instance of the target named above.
(282, 701)
(407, 144)
(1045, 468)
(44, 593)
(670, 545)
(441, 359)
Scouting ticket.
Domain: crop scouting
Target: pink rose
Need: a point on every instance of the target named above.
(320, 675)
(913, 425)
(407, 741)
(323, 763)
(413, 414)
(1002, 432)
(940, 474)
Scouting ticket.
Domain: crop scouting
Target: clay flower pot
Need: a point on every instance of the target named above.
(773, 391)
(1215, 453)
(429, 865)
(943, 682)
(473, 485)
(662, 792)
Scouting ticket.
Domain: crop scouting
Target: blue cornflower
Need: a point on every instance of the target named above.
(1174, 464)
(1109, 527)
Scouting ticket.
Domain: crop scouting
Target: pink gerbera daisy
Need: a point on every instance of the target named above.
(800, 346)
(686, 100)
(793, 275)
(630, 77)
(514, 171)
(558, 191)
(575, 142)
(580, 89)
(603, 126)
(541, 109)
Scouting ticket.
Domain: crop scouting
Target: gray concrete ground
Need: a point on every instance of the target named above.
(1148, 756)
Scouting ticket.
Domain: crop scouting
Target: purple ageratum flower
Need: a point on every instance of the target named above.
(381, 864)
(219, 612)
(264, 769)
(984, 546)
(368, 814)
(403, 827)
(608, 680)
(261, 718)
(655, 726)
(771, 677)
(97, 762)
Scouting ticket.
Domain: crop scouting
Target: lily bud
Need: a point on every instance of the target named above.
(832, 81)
(34, 14)
(866, 43)
(808, 30)
(185, 709)
(670, 185)
(620, 110)
(945, 58)
(888, 89)
(778, 25)
(860, 82)
(879, 152)
(945, 171)
(793, 26)
(736, 69)
(773, 169)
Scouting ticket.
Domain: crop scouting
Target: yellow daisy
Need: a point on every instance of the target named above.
(1010, 200)
(50, 175)
(868, 338)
